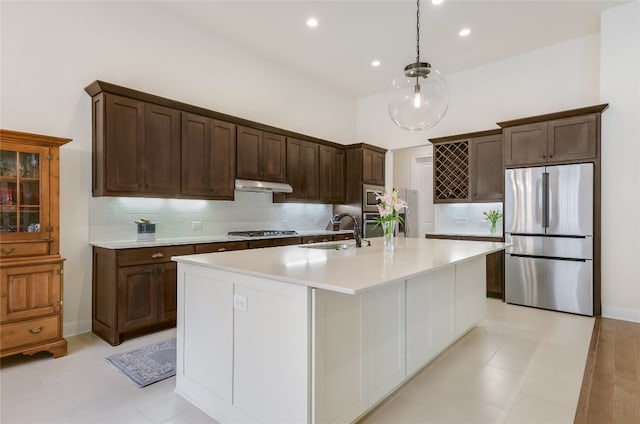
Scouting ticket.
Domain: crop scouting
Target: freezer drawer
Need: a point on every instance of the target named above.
(554, 247)
(561, 285)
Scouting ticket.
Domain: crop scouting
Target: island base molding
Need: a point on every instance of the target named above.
(255, 349)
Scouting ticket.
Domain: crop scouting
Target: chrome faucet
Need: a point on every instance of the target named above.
(356, 227)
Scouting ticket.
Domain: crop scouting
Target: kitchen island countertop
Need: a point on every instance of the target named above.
(347, 271)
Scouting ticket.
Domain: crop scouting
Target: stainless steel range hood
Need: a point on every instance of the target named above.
(262, 186)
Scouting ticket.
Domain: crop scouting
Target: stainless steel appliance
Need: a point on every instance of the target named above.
(369, 200)
(549, 219)
(409, 225)
(370, 227)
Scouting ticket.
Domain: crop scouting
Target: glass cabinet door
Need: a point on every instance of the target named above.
(21, 191)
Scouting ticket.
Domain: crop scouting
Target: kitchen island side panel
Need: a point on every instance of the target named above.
(242, 346)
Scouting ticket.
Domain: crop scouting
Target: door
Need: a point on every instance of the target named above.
(523, 200)
(30, 291)
(167, 291)
(273, 157)
(124, 144)
(570, 199)
(248, 153)
(486, 170)
(557, 284)
(162, 149)
(137, 297)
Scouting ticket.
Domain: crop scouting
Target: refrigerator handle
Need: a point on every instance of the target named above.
(545, 199)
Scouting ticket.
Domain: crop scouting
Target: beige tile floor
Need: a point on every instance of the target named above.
(520, 365)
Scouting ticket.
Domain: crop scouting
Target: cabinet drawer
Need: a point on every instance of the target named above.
(316, 239)
(337, 237)
(148, 255)
(14, 250)
(29, 332)
(221, 247)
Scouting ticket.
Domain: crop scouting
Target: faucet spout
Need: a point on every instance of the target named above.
(356, 226)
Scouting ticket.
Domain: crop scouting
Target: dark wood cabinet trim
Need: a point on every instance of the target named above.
(555, 115)
(98, 86)
(459, 137)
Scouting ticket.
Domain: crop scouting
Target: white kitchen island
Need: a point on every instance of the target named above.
(293, 334)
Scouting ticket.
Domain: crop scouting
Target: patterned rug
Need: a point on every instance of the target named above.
(148, 364)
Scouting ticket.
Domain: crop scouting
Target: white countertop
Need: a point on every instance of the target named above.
(346, 271)
(171, 241)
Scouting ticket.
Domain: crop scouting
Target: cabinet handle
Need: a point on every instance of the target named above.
(157, 255)
(222, 249)
(550, 156)
(8, 250)
(36, 330)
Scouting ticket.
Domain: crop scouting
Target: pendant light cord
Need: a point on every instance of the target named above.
(418, 32)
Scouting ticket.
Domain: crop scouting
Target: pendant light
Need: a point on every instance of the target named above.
(420, 97)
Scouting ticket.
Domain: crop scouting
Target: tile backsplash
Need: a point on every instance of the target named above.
(465, 218)
(112, 218)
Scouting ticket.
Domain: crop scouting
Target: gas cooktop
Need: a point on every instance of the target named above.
(261, 233)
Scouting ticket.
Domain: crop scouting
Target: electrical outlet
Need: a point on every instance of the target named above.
(316, 221)
(196, 225)
(240, 302)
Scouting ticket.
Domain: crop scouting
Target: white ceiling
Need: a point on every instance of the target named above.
(351, 34)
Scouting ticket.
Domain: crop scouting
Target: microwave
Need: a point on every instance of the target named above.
(369, 200)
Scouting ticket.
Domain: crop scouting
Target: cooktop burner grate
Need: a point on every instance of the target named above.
(262, 233)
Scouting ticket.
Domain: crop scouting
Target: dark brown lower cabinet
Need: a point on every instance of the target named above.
(495, 263)
(134, 290)
(495, 275)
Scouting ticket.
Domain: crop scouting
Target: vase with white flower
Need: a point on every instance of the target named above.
(389, 207)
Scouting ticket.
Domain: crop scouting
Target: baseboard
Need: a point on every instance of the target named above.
(623, 314)
(76, 327)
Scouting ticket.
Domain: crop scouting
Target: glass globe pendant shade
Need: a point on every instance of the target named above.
(418, 100)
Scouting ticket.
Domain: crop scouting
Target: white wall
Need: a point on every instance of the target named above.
(620, 87)
(51, 50)
(559, 77)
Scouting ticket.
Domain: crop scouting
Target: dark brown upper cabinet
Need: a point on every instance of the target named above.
(302, 170)
(372, 167)
(260, 155)
(486, 171)
(332, 184)
(468, 168)
(208, 158)
(562, 137)
(136, 147)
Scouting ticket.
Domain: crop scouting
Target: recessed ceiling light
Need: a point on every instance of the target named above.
(375, 63)
(437, 2)
(464, 32)
(312, 22)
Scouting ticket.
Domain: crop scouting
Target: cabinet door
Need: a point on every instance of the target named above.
(486, 170)
(137, 297)
(124, 144)
(525, 144)
(302, 169)
(162, 150)
(208, 157)
(248, 153)
(30, 291)
(167, 291)
(495, 275)
(372, 167)
(24, 199)
(572, 138)
(331, 175)
(273, 157)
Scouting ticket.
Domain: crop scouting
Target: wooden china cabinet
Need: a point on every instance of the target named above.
(31, 268)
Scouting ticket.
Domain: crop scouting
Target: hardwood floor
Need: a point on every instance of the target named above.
(611, 386)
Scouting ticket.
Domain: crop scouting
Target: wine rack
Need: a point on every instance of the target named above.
(451, 172)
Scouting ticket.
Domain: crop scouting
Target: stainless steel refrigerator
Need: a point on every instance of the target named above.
(409, 225)
(548, 217)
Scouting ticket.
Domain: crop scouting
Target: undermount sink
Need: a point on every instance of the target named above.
(328, 246)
